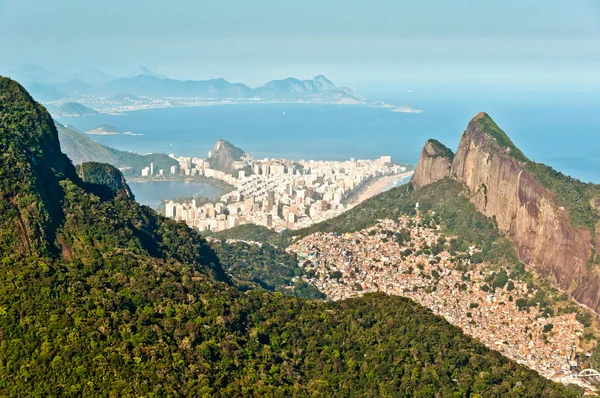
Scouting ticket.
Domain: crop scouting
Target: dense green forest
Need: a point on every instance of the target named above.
(267, 267)
(102, 297)
(103, 174)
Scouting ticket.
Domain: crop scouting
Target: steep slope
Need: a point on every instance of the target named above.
(44, 92)
(104, 174)
(434, 164)
(81, 149)
(30, 196)
(132, 304)
(224, 155)
(550, 216)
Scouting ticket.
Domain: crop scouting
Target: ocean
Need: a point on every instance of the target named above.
(559, 127)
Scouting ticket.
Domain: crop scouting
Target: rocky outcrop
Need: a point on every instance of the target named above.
(502, 187)
(224, 155)
(434, 164)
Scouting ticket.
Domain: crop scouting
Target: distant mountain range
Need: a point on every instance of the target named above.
(47, 87)
(319, 89)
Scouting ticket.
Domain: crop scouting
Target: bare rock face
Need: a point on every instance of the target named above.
(434, 164)
(224, 155)
(501, 187)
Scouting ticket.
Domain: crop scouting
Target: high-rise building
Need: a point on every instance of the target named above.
(248, 204)
(170, 209)
(270, 200)
(265, 170)
(385, 160)
(151, 168)
(173, 170)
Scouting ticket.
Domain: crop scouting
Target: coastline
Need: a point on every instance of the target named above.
(378, 186)
(123, 112)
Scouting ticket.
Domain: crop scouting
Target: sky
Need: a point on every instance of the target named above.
(355, 43)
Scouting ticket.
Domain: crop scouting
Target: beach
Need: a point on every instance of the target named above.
(378, 186)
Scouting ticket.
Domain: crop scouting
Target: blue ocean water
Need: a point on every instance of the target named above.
(559, 127)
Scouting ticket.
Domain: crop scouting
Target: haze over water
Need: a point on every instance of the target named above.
(556, 126)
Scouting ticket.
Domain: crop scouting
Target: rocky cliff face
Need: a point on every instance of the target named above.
(434, 164)
(501, 187)
(224, 155)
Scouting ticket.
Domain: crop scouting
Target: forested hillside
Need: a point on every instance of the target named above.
(102, 297)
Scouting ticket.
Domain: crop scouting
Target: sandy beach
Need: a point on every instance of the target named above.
(377, 186)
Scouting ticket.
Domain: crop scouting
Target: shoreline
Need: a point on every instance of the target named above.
(378, 186)
(117, 112)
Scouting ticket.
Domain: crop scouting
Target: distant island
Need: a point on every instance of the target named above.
(105, 129)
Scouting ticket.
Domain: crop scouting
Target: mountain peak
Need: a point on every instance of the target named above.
(321, 78)
(31, 165)
(434, 164)
(144, 71)
(27, 125)
(323, 83)
(482, 124)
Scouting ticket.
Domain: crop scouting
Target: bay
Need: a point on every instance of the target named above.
(556, 126)
(151, 193)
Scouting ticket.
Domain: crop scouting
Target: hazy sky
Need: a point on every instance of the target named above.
(352, 42)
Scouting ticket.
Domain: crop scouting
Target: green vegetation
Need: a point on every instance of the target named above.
(576, 196)
(103, 174)
(254, 233)
(548, 327)
(80, 149)
(442, 149)
(448, 199)
(489, 127)
(267, 267)
(102, 297)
